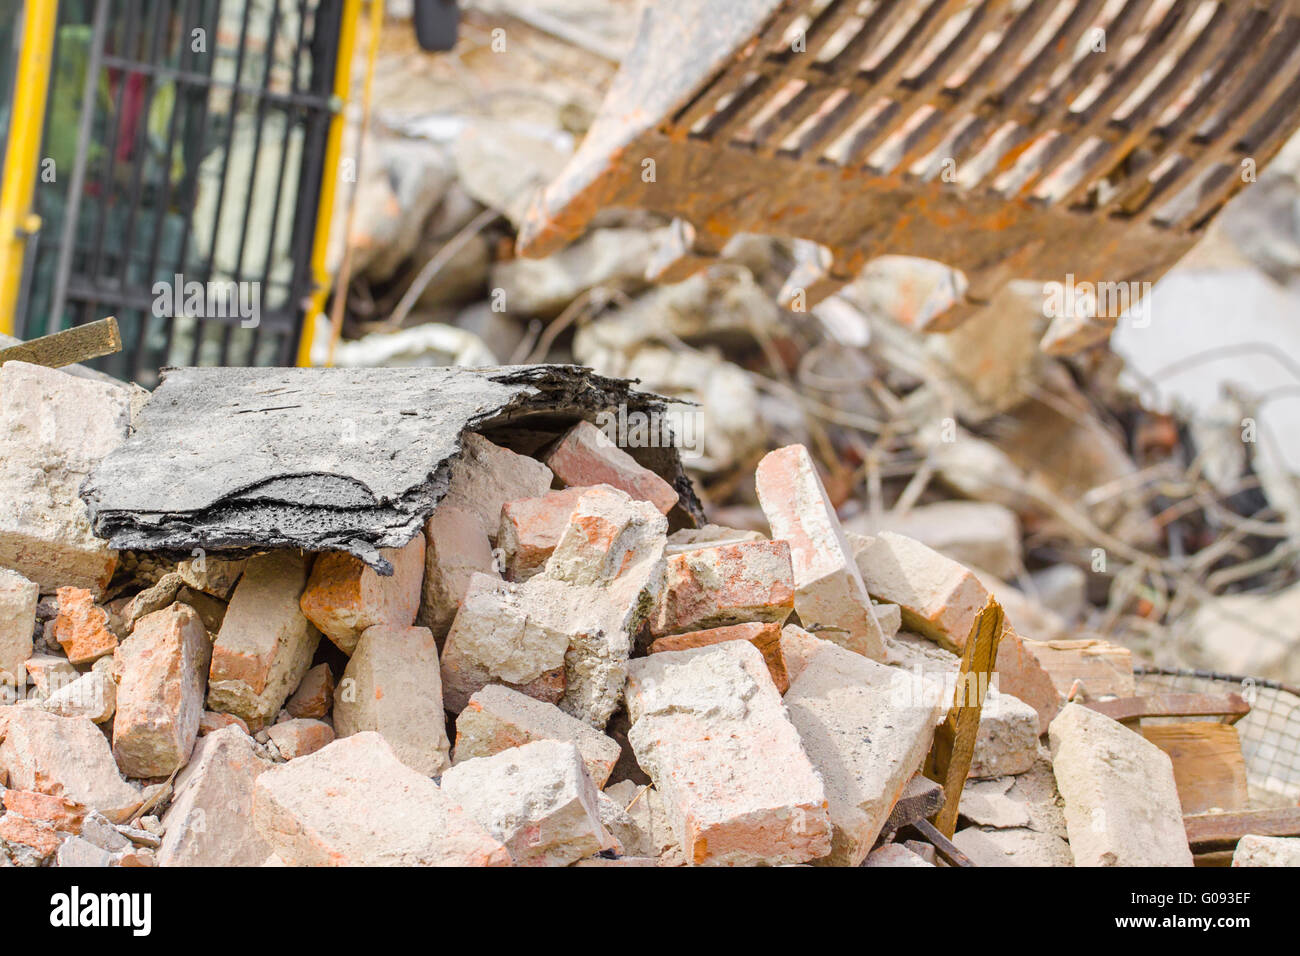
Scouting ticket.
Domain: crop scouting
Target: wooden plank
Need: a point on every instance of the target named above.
(1209, 767)
(77, 344)
(954, 740)
(1208, 832)
(946, 849)
(1232, 706)
(1103, 668)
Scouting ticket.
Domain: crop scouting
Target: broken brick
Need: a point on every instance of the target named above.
(485, 476)
(585, 456)
(531, 528)
(315, 694)
(456, 548)
(18, 598)
(82, 627)
(765, 636)
(300, 736)
(343, 597)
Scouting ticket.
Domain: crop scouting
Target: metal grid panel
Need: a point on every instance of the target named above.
(1007, 138)
(198, 155)
(1270, 733)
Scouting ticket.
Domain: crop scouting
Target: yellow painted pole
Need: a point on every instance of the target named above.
(22, 154)
(333, 150)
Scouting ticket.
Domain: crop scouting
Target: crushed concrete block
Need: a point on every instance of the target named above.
(160, 672)
(536, 799)
(393, 686)
(343, 597)
(653, 836)
(866, 727)
(895, 854)
(1121, 803)
(55, 428)
(81, 627)
(709, 728)
(485, 476)
(513, 634)
(18, 598)
(1253, 850)
(456, 549)
(586, 456)
(211, 574)
(618, 823)
(210, 819)
(798, 648)
(727, 584)
(531, 528)
(92, 695)
(939, 597)
(300, 736)
(498, 718)
(828, 588)
(988, 803)
(68, 756)
(889, 617)
(211, 721)
(766, 637)
(49, 673)
(1014, 847)
(353, 803)
(266, 644)
(974, 533)
(315, 694)
(74, 851)
(1008, 737)
(151, 599)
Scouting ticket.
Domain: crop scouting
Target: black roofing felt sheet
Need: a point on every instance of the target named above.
(328, 459)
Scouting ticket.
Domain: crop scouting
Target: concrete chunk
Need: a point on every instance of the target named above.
(727, 584)
(498, 718)
(1121, 803)
(344, 597)
(266, 644)
(54, 429)
(210, 819)
(393, 686)
(353, 803)
(1255, 850)
(160, 671)
(1008, 737)
(66, 756)
(586, 456)
(536, 799)
(485, 476)
(828, 588)
(866, 728)
(710, 729)
(456, 549)
(1017, 847)
(92, 695)
(18, 598)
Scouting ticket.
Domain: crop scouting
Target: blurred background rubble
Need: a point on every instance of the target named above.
(1146, 492)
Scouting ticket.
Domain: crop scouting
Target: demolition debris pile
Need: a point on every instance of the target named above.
(558, 665)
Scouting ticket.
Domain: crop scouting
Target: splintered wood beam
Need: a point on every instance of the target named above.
(922, 798)
(1232, 706)
(954, 740)
(81, 343)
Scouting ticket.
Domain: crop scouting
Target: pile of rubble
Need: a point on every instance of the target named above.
(547, 674)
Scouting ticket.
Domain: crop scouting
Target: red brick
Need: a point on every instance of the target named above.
(585, 456)
(81, 627)
(765, 636)
(728, 584)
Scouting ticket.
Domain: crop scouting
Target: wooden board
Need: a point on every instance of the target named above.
(1105, 669)
(81, 343)
(1232, 706)
(1208, 764)
(1210, 832)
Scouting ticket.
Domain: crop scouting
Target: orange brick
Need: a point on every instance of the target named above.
(41, 837)
(765, 636)
(59, 812)
(81, 627)
(584, 456)
(728, 584)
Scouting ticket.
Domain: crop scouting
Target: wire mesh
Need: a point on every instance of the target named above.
(1270, 733)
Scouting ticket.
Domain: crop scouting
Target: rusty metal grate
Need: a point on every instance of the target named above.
(1270, 733)
(1007, 138)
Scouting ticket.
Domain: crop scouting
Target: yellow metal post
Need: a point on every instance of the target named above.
(22, 154)
(333, 150)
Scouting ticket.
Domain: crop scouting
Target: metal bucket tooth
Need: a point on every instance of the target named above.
(1109, 133)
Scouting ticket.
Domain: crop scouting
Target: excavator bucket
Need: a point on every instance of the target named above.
(1009, 139)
